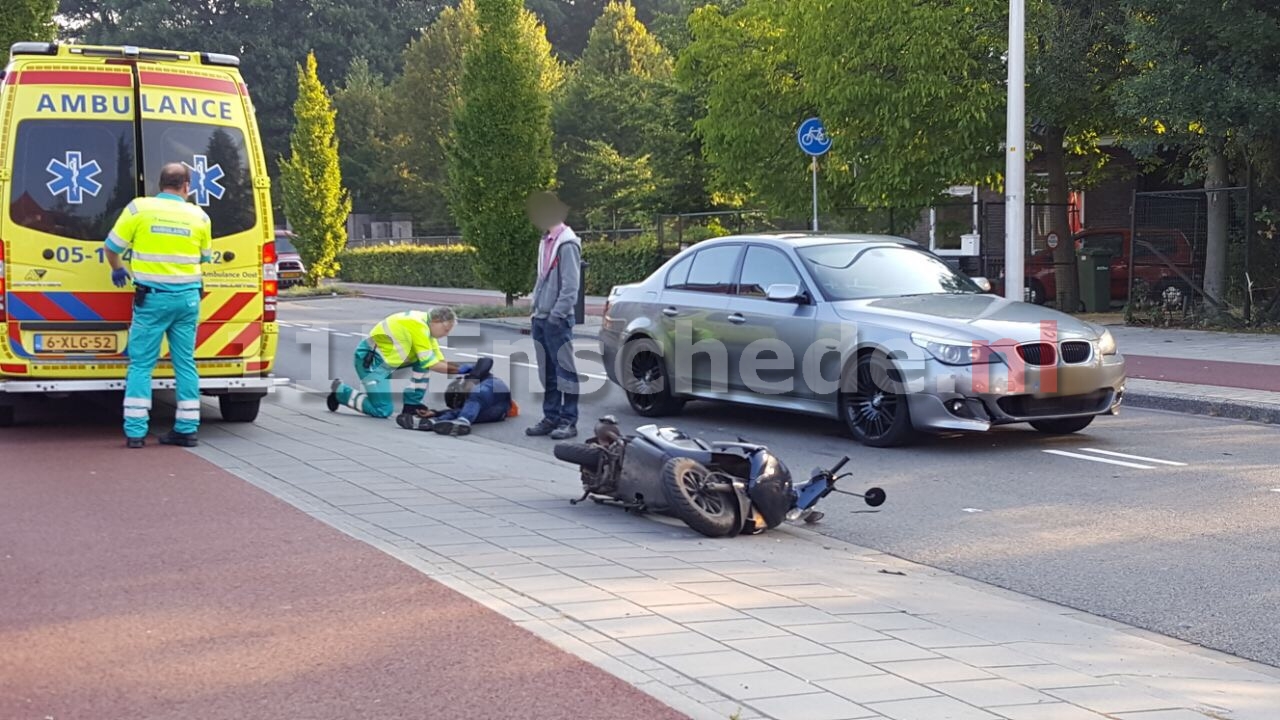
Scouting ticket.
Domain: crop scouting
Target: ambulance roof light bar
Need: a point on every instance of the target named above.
(220, 59)
(33, 48)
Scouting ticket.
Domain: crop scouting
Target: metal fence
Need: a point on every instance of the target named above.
(1196, 254)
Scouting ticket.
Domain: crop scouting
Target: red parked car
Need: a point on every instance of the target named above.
(1157, 251)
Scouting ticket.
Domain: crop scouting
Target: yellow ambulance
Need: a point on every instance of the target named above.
(84, 130)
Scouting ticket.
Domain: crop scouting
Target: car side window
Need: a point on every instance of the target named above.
(712, 270)
(1112, 243)
(678, 275)
(763, 267)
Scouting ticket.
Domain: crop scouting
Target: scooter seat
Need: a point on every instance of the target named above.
(672, 440)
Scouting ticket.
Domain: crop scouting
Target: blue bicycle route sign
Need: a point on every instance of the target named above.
(813, 138)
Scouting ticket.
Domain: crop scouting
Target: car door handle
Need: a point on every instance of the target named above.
(737, 319)
(670, 312)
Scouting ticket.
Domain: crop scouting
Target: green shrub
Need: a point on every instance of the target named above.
(414, 265)
(627, 262)
(608, 265)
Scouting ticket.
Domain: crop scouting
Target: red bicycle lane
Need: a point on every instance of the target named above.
(152, 584)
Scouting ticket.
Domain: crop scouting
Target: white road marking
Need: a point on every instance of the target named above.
(1091, 458)
(1134, 457)
(971, 510)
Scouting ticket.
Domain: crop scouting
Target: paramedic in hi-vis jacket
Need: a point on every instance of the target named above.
(170, 239)
(406, 339)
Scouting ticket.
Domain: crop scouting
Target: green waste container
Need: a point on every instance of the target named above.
(1095, 279)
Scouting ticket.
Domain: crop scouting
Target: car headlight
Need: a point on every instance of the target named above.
(955, 352)
(1106, 343)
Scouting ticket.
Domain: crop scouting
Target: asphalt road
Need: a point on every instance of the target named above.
(1177, 533)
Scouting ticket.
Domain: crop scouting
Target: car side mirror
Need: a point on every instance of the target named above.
(784, 293)
(983, 284)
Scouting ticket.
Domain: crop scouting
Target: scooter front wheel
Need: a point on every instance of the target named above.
(709, 512)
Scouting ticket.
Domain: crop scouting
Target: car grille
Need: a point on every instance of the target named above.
(1076, 351)
(1032, 406)
(1038, 354)
(290, 265)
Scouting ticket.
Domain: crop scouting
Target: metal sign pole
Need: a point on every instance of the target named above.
(813, 140)
(815, 194)
(1015, 157)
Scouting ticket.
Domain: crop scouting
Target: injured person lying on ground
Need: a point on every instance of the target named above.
(476, 397)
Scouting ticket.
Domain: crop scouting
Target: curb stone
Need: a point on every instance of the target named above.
(1229, 409)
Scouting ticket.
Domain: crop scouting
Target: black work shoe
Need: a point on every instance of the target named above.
(408, 421)
(456, 428)
(332, 400)
(179, 439)
(135, 443)
(543, 428)
(564, 432)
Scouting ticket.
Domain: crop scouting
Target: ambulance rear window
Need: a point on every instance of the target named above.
(71, 178)
(219, 162)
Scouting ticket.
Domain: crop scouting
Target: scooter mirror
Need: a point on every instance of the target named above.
(875, 497)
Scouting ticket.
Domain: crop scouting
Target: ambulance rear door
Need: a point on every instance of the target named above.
(71, 171)
(199, 117)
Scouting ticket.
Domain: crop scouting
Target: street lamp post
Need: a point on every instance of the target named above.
(1015, 158)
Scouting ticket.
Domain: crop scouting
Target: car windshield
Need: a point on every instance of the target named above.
(852, 271)
(284, 244)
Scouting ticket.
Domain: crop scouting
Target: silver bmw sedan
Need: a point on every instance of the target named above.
(872, 330)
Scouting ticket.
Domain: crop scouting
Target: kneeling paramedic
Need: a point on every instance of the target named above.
(170, 239)
(477, 397)
(407, 339)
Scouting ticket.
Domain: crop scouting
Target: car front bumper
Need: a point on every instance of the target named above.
(943, 397)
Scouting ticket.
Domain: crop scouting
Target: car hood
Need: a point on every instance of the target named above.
(295, 257)
(989, 318)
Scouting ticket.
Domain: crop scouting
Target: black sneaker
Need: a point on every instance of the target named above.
(332, 400)
(135, 443)
(543, 428)
(408, 421)
(564, 432)
(179, 439)
(456, 428)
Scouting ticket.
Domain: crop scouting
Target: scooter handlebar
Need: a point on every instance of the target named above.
(835, 470)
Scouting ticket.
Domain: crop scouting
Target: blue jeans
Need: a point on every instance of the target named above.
(557, 367)
(485, 404)
(163, 315)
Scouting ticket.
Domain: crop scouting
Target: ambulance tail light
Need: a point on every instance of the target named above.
(270, 282)
(4, 315)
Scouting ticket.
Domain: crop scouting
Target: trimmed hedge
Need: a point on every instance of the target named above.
(426, 266)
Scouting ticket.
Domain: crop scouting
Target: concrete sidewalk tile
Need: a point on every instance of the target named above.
(938, 670)
(1112, 699)
(1165, 715)
(882, 651)
(602, 610)
(565, 597)
(936, 638)
(939, 708)
(744, 629)
(660, 598)
(793, 615)
(877, 688)
(686, 576)
(698, 612)
(438, 535)
(836, 632)
(893, 621)
(398, 519)
(725, 662)
(372, 508)
(992, 693)
(628, 585)
(779, 647)
(850, 605)
(1049, 711)
(643, 663)
(753, 686)
(830, 666)
(567, 560)
(685, 642)
(521, 570)
(815, 706)
(602, 572)
(540, 582)
(804, 591)
(990, 656)
(635, 626)
(654, 562)
(1043, 676)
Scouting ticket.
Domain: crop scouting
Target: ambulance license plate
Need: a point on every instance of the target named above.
(82, 342)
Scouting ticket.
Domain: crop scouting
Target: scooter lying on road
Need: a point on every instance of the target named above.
(719, 489)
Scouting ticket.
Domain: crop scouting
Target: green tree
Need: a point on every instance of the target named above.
(905, 89)
(1074, 67)
(499, 150)
(426, 97)
(372, 156)
(315, 202)
(26, 20)
(1206, 80)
